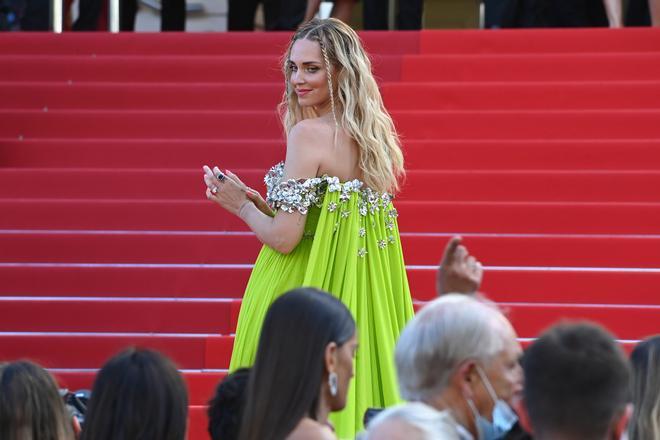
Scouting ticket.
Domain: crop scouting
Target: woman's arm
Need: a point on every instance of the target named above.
(284, 231)
(614, 14)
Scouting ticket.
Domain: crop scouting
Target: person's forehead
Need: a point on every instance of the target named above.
(512, 348)
(305, 51)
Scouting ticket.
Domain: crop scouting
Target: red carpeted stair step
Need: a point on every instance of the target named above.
(122, 315)
(91, 350)
(626, 322)
(198, 423)
(165, 247)
(223, 43)
(565, 95)
(273, 43)
(539, 41)
(201, 383)
(587, 124)
(438, 154)
(641, 66)
(576, 285)
(466, 217)
(397, 96)
(142, 96)
(181, 68)
(196, 316)
(458, 185)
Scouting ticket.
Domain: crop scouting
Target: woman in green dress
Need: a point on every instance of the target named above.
(328, 219)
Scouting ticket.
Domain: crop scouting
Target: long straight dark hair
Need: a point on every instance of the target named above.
(30, 405)
(645, 359)
(286, 378)
(137, 395)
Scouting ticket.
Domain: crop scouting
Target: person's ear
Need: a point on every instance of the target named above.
(523, 416)
(331, 357)
(621, 424)
(465, 378)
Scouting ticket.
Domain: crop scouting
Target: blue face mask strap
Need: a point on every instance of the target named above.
(487, 384)
(503, 417)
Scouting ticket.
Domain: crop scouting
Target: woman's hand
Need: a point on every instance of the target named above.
(459, 272)
(253, 195)
(224, 191)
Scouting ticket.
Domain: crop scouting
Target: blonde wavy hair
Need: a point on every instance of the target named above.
(357, 105)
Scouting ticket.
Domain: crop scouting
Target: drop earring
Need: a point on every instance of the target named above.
(332, 383)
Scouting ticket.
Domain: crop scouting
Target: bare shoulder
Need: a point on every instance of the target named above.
(311, 130)
(309, 429)
(306, 148)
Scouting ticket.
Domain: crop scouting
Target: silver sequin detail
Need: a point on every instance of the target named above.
(345, 214)
(362, 252)
(391, 239)
(362, 232)
(299, 195)
(333, 183)
(382, 244)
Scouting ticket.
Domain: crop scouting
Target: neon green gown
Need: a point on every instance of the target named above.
(350, 248)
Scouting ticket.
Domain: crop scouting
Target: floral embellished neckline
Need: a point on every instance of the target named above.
(299, 194)
(278, 170)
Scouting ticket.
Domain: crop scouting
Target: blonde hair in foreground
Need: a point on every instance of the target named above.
(356, 102)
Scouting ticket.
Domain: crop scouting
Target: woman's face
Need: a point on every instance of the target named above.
(345, 358)
(308, 75)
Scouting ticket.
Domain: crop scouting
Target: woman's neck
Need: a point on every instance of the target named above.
(323, 411)
(324, 109)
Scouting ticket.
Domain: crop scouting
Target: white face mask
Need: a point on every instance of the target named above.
(503, 416)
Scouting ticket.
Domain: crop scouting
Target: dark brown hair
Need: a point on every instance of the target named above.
(226, 406)
(576, 381)
(30, 405)
(645, 358)
(137, 395)
(286, 378)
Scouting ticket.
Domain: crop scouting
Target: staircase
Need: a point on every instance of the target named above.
(541, 148)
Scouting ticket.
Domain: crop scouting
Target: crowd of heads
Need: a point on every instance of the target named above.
(138, 394)
(461, 372)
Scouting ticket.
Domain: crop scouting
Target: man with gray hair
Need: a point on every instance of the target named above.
(460, 355)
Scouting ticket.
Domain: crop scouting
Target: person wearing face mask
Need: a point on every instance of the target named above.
(460, 355)
(460, 272)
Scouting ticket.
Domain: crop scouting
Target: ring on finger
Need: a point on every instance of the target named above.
(221, 177)
(214, 189)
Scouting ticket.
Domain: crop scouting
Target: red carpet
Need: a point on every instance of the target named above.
(542, 148)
